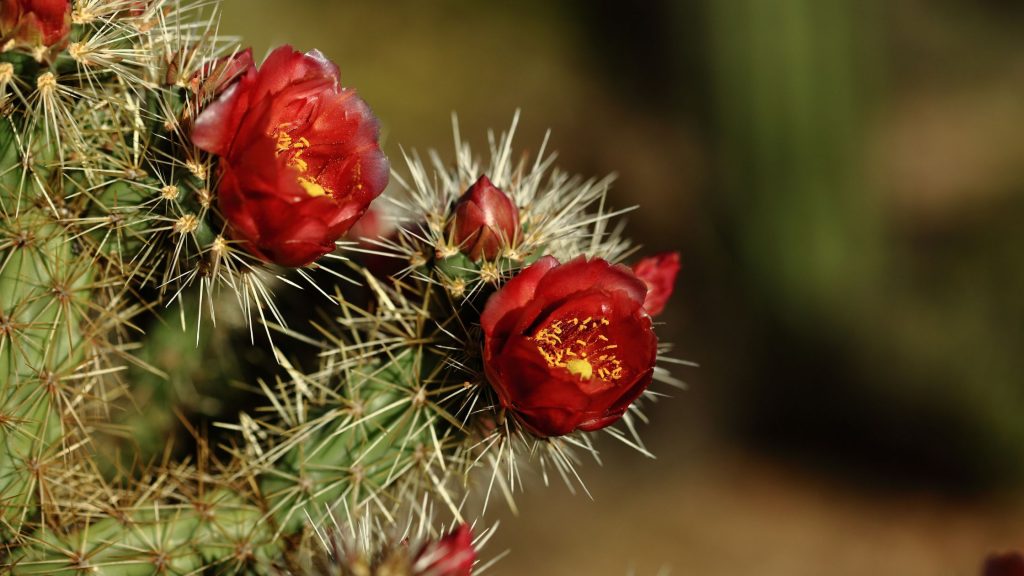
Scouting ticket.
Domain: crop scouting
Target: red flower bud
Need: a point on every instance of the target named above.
(35, 23)
(299, 156)
(1008, 564)
(659, 273)
(452, 555)
(569, 346)
(486, 220)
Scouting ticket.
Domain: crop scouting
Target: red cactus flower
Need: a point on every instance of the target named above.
(35, 23)
(569, 346)
(299, 156)
(452, 555)
(659, 273)
(486, 220)
(1007, 564)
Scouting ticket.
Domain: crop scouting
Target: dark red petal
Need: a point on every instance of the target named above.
(628, 329)
(53, 19)
(264, 203)
(515, 293)
(659, 273)
(296, 253)
(608, 415)
(293, 234)
(287, 67)
(468, 224)
(582, 274)
(261, 172)
(343, 119)
(549, 421)
(596, 276)
(343, 129)
(216, 126)
(452, 555)
(36, 22)
(355, 182)
(232, 204)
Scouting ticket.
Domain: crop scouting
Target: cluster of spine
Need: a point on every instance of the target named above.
(108, 214)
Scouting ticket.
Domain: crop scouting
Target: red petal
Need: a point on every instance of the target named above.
(582, 274)
(515, 293)
(609, 415)
(549, 421)
(285, 67)
(216, 126)
(659, 273)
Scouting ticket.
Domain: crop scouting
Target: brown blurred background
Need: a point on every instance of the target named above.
(845, 181)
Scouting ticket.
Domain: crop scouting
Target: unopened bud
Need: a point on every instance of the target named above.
(486, 221)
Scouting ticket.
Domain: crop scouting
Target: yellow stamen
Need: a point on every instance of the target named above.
(311, 187)
(295, 149)
(581, 338)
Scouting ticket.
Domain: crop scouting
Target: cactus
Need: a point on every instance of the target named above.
(114, 209)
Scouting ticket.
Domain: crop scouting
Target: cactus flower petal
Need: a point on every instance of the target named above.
(452, 555)
(659, 273)
(35, 23)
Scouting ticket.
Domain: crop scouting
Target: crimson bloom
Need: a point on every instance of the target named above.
(486, 220)
(299, 157)
(659, 273)
(35, 23)
(569, 346)
(452, 555)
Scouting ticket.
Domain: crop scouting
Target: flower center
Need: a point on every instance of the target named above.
(295, 149)
(580, 347)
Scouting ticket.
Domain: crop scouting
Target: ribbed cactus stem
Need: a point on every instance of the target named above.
(366, 444)
(38, 330)
(44, 337)
(356, 447)
(157, 538)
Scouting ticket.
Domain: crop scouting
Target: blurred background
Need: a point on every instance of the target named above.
(845, 182)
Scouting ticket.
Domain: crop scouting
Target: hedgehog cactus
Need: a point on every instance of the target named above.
(147, 163)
